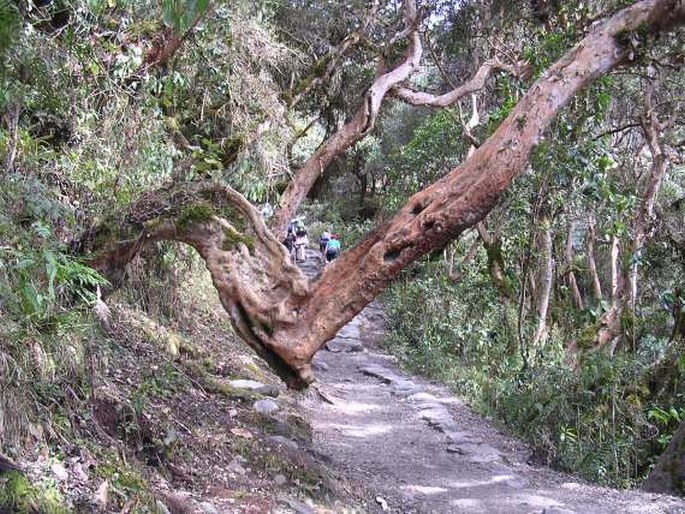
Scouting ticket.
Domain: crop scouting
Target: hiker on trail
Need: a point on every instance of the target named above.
(333, 248)
(301, 241)
(323, 242)
(289, 241)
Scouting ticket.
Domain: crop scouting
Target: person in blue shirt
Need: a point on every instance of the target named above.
(323, 242)
(333, 248)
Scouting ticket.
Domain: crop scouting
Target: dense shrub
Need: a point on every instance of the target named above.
(606, 418)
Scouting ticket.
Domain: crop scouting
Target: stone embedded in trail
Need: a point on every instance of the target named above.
(405, 388)
(269, 390)
(283, 441)
(60, 471)
(343, 346)
(319, 365)
(235, 466)
(436, 416)
(460, 437)
(208, 508)
(265, 406)
(349, 331)
(161, 507)
(480, 453)
(375, 371)
(298, 506)
(423, 398)
(556, 510)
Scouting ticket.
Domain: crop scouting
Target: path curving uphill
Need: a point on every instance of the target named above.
(413, 447)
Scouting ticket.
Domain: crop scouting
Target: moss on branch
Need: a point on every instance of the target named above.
(196, 213)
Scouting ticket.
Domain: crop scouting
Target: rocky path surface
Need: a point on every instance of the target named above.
(416, 448)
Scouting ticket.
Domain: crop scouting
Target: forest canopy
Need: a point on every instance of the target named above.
(514, 168)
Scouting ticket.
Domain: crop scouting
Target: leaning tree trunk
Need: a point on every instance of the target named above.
(668, 476)
(271, 304)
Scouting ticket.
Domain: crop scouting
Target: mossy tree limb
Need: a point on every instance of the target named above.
(273, 307)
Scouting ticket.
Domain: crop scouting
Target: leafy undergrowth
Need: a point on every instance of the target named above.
(154, 424)
(607, 419)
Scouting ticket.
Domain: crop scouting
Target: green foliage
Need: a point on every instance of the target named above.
(196, 213)
(9, 24)
(180, 14)
(18, 495)
(548, 49)
(603, 420)
(126, 481)
(436, 146)
(233, 238)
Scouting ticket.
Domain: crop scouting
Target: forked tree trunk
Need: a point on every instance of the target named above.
(644, 219)
(456, 272)
(354, 130)
(493, 248)
(271, 304)
(609, 330)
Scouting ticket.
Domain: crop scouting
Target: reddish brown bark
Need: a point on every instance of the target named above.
(463, 197)
(285, 318)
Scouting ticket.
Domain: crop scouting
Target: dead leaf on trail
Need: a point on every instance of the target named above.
(242, 432)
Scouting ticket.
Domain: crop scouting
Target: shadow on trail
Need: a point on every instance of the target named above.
(413, 447)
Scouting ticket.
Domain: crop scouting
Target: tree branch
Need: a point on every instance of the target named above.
(353, 131)
(475, 84)
(167, 43)
(270, 303)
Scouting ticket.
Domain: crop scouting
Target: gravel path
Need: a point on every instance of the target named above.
(416, 448)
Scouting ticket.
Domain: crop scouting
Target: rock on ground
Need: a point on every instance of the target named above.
(420, 449)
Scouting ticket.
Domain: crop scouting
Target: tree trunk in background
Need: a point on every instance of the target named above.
(493, 248)
(592, 263)
(573, 285)
(644, 218)
(546, 279)
(668, 476)
(610, 323)
(455, 274)
(285, 318)
(622, 297)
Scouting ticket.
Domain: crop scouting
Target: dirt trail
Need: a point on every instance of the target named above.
(416, 448)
